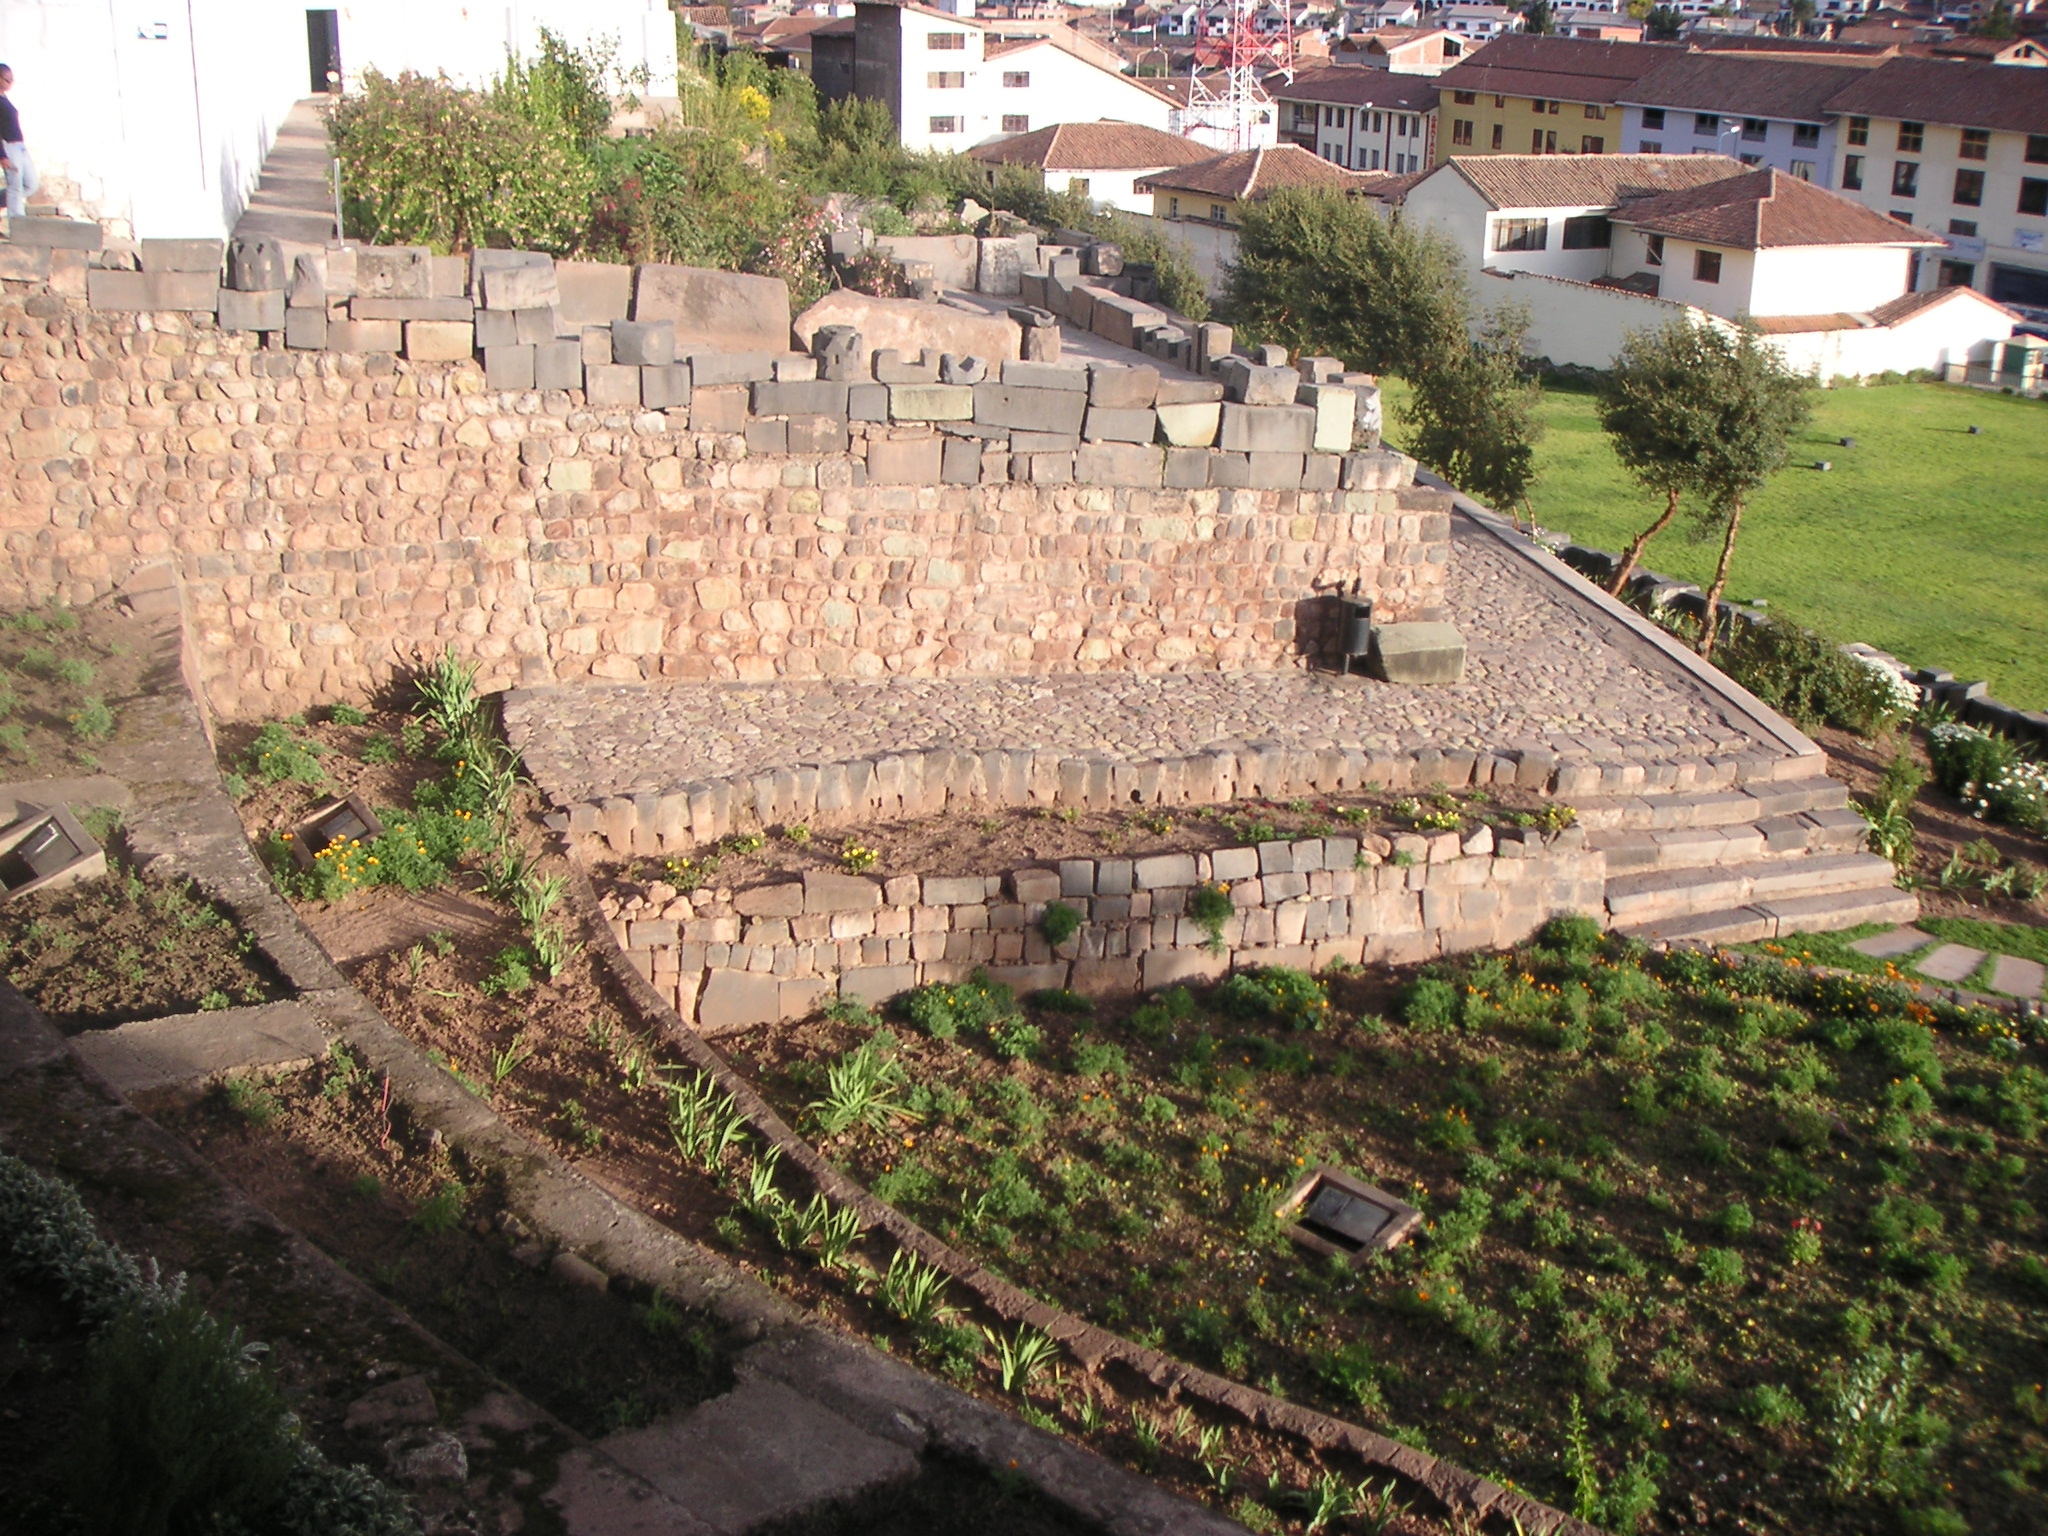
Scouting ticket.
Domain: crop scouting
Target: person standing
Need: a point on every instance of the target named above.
(20, 170)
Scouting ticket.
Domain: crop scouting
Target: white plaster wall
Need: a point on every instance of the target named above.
(1727, 298)
(467, 40)
(1445, 201)
(1812, 280)
(1946, 334)
(1108, 189)
(1210, 248)
(1571, 323)
(1553, 260)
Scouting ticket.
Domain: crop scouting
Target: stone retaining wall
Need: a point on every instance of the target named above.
(330, 516)
(730, 960)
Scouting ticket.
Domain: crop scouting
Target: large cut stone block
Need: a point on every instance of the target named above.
(256, 263)
(663, 386)
(1336, 409)
(1106, 424)
(615, 385)
(192, 292)
(1250, 383)
(1030, 410)
(1268, 428)
(558, 364)
(726, 311)
(644, 343)
(800, 397)
(438, 341)
(1417, 653)
(1002, 268)
(1122, 388)
(508, 367)
(1119, 464)
(306, 329)
(1026, 375)
(521, 288)
(1190, 426)
(182, 256)
(392, 272)
(737, 1000)
(55, 234)
(245, 311)
(365, 335)
(917, 461)
(410, 309)
(708, 368)
(593, 292)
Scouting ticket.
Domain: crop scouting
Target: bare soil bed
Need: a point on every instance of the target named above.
(64, 676)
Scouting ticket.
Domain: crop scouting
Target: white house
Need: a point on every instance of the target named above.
(1597, 246)
(158, 116)
(1099, 161)
(952, 82)
(1361, 118)
(1479, 20)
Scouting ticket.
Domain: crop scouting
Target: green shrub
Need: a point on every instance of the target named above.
(1429, 1003)
(1735, 1221)
(1015, 1039)
(346, 714)
(1210, 907)
(1276, 992)
(1770, 1407)
(1721, 1268)
(92, 720)
(276, 756)
(1093, 1059)
(1154, 1019)
(511, 972)
(1059, 924)
(1574, 935)
(380, 750)
(1933, 1521)
(1810, 678)
(943, 1010)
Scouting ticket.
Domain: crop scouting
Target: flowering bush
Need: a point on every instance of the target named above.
(1990, 775)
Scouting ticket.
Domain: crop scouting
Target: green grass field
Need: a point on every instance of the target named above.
(1922, 540)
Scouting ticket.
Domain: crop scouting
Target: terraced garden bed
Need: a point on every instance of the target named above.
(1707, 1242)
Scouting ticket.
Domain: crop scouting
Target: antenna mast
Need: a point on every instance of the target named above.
(1226, 109)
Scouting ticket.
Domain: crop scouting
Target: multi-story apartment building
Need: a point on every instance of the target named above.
(1361, 118)
(1760, 111)
(1526, 95)
(1960, 149)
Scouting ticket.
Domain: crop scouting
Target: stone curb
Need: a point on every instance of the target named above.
(1778, 731)
(1454, 1488)
(189, 825)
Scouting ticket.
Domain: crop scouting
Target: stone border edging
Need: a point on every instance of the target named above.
(1453, 1487)
(202, 837)
(1775, 727)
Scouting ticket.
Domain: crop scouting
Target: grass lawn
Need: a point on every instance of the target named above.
(1726, 1212)
(1995, 939)
(1923, 540)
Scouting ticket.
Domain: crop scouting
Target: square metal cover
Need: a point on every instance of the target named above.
(1332, 1212)
(1345, 1218)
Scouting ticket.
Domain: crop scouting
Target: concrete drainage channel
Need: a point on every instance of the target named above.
(813, 1419)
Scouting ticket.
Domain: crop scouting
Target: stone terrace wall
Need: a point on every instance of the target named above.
(734, 959)
(329, 516)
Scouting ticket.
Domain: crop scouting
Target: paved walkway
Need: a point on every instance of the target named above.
(293, 199)
(1543, 668)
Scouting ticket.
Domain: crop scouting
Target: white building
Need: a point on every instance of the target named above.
(952, 82)
(1099, 161)
(160, 115)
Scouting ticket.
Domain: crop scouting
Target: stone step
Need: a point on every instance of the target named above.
(1631, 850)
(1664, 893)
(1779, 919)
(1712, 808)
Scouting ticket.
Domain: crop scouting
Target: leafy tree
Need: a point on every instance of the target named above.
(1471, 416)
(1319, 271)
(1536, 18)
(1656, 405)
(1757, 404)
(1997, 22)
(1664, 24)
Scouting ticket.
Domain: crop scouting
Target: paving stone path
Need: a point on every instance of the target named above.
(1544, 668)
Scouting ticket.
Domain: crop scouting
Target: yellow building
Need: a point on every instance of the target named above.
(1522, 95)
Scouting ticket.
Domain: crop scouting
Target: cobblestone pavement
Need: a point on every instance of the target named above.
(1542, 669)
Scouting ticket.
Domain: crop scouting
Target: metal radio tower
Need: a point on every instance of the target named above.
(1225, 108)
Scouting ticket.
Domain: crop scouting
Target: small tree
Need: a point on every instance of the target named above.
(1657, 407)
(1317, 270)
(1536, 18)
(1758, 404)
(1997, 21)
(1664, 24)
(1471, 417)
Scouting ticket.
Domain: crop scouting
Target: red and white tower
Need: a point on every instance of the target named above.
(1230, 109)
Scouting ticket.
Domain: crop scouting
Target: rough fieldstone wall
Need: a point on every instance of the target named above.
(332, 516)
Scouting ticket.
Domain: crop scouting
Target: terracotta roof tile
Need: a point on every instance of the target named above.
(1957, 91)
(1104, 146)
(1737, 86)
(1251, 174)
(1556, 68)
(1360, 85)
(1907, 305)
(1766, 210)
(1585, 181)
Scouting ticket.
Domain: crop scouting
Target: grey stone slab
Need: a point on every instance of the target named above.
(2017, 977)
(1418, 653)
(190, 1050)
(252, 311)
(1067, 376)
(734, 1000)
(1889, 946)
(729, 311)
(1030, 410)
(1111, 424)
(730, 367)
(182, 255)
(797, 397)
(644, 343)
(759, 1454)
(1951, 962)
(1268, 428)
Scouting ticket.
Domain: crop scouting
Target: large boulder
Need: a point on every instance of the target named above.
(909, 327)
(715, 311)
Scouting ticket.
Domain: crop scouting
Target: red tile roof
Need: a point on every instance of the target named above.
(1360, 85)
(1767, 210)
(1556, 68)
(1740, 86)
(1104, 146)
(1584, 181)
(2012, 97)
(1251, 174)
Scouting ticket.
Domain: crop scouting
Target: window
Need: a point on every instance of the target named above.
(1653, 117)
(1500, 101)
(1465, 98)
(1499, 133)
(1859, 130)
(1173, 207)
(1900, 216)
(1016, 79)
(1588, 232)
(1751, 159)
(1706, 124)
(945, 125)
(1962, 227)
(1649, 147)
(1016, 122)
(1553, 107)
(1375, 160)
(1956, 274)
(945, 42)
(1653, 251)
(1521, 234)
(1596, 112)
(1970, 189)
(1755, 129)
(1218, 212)
(1375, 122)
(2037, 149)
(1852, 173)
(1536, 107)
(946, 80)
(1329, 116)
(1905, 179)
(1803, 169)
(1461, 131)
(1536, 141)
(1976, 144)
(1706, 266)
(1911, 135)
(1806, 135)
(1592, 144)
(2034, 197)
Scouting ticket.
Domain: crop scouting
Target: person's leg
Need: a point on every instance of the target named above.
(17, 193)
(31, 182)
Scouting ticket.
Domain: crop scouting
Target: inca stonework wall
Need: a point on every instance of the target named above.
(330, 516)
